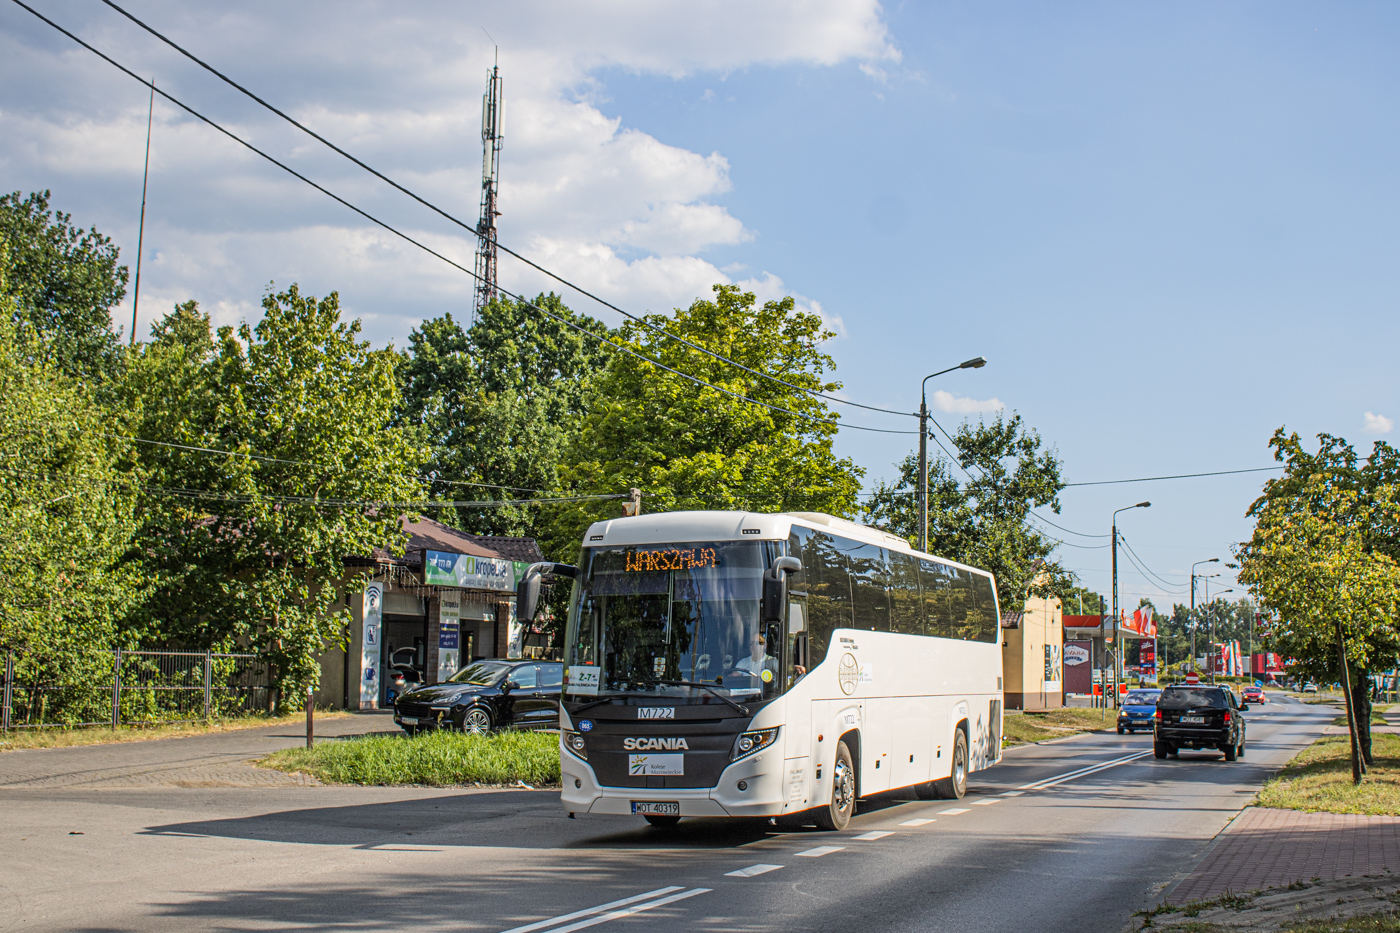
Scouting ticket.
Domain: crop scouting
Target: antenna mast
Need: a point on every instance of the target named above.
(491, 107)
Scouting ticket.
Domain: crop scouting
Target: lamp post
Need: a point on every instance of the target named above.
(1210, 560)
(1228, 589)
(976, 363)
(1140, 505)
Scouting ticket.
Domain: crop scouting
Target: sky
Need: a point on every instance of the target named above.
(1171, 229)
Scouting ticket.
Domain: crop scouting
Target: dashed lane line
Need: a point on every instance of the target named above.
(919, 822)
(601, 908)
(872, 836)
(952, 812)
(985, 802)
(751, 871)
(819, 851)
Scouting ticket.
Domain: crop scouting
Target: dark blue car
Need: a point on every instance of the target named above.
(1137, 709)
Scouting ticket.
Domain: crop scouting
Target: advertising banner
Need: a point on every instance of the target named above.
(449, 633)
(515, 634)
(370, 648)
(1078, 671)
(1052, 669)
(1147, 655)
(443, 568)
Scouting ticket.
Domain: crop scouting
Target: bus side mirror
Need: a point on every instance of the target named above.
(775, 587)
(527, 591)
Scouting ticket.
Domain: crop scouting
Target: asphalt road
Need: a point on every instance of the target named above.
(1072, 835)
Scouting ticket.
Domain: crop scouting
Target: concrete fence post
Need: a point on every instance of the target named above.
(117, 689)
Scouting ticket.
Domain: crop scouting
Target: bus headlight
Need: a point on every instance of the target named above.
(751, 742)
(573, 741)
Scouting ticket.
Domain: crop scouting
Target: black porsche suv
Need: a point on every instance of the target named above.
(1198, 717)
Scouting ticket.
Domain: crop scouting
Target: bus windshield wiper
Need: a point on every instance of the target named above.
(710, 687)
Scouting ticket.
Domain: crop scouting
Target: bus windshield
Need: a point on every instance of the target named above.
(672, 620)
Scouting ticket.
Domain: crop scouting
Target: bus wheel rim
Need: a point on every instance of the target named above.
(841, 789)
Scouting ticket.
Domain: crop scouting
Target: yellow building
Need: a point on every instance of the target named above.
(1032, 646)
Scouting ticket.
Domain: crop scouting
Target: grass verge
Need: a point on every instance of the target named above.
(106, 735)
(1319, 779)
(437, 759)
(1024, 728)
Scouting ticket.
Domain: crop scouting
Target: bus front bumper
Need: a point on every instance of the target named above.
(761, 774)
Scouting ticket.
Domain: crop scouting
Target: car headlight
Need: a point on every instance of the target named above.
(750, 742)
(573, 741)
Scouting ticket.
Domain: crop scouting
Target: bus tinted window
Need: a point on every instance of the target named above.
(981, 623)
(937, 585)
(827, 584)
(906, 598)
(870, 591)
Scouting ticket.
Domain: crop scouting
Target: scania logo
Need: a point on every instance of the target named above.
(646, 745)
(656, 712)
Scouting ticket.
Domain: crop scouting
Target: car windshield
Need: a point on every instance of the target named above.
(1192, 698)
(480, 674)
(1141, 698)
(646, 614)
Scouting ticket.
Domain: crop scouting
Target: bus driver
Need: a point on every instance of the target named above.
(759, 660)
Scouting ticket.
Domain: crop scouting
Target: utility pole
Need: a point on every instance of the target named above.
(141, 228)
(491, 113)
(1211, 560)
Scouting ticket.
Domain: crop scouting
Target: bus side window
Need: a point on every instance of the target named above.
(906, 602)
(870, 590)
(937, 586)
(825, 580)
(982, 620)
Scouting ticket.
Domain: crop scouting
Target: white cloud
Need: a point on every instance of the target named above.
(608, 204)
(960, 405)
(1378, 424)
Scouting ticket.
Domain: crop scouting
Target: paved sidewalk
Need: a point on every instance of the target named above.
(1264, 848)
(216, 759)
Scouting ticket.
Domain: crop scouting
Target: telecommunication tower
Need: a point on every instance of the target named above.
(491, 109)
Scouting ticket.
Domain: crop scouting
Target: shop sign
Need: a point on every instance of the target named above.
(449, 633)
(443, 568)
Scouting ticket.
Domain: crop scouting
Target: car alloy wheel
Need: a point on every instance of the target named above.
(476, 721)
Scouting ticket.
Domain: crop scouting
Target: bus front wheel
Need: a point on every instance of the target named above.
(954, 785)
(837, 812)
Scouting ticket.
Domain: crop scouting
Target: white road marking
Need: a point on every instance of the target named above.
(751, 871)
(985, 801)
(1012, 793)
(952, 812)
(1083, 772)
(915, 822)
(629, 911)
(870, 837)
(819, 851)
(540, 925)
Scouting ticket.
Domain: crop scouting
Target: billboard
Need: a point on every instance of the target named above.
(443, 568)
(1078, 667)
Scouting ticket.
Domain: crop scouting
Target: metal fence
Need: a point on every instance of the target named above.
(138, 687)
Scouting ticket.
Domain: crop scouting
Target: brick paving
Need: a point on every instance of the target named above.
(1264, 848)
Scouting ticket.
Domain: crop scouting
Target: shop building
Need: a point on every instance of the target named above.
(448, 601)
(1031, 659)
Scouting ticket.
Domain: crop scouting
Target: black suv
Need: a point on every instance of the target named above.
(487, 695)
(1198, 717)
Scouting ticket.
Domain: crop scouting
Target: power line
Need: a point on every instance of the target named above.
(1066, 530)
(1142, 565)
(614, 345)
(476, 230)
(1151, 479)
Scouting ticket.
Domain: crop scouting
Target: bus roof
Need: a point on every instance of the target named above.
(682, 527)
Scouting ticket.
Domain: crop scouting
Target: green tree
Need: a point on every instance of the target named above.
(985, 520)
(249, 547)
(66, 522)
(64, 282)
(1322, 557)
(498, 404)
(1074, 598)
(687, 446)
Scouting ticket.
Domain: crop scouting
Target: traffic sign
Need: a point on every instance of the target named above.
(1193, 678)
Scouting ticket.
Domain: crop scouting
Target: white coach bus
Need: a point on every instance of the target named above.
(739, 664)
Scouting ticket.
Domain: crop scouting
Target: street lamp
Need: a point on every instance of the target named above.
(1228, 589)
(1140, 505)
(976, 363)
(1211, 560)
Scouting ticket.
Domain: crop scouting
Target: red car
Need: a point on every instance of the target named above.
(1255, 695)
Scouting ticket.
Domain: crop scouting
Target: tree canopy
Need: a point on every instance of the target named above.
(984, 519)
(689, 446)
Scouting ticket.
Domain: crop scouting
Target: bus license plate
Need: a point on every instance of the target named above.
(1199, 719)
(656, 807)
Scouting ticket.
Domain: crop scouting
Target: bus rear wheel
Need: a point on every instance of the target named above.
(837, 812)
(954, 785)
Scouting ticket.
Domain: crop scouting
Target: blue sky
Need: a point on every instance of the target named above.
(1170, 229)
